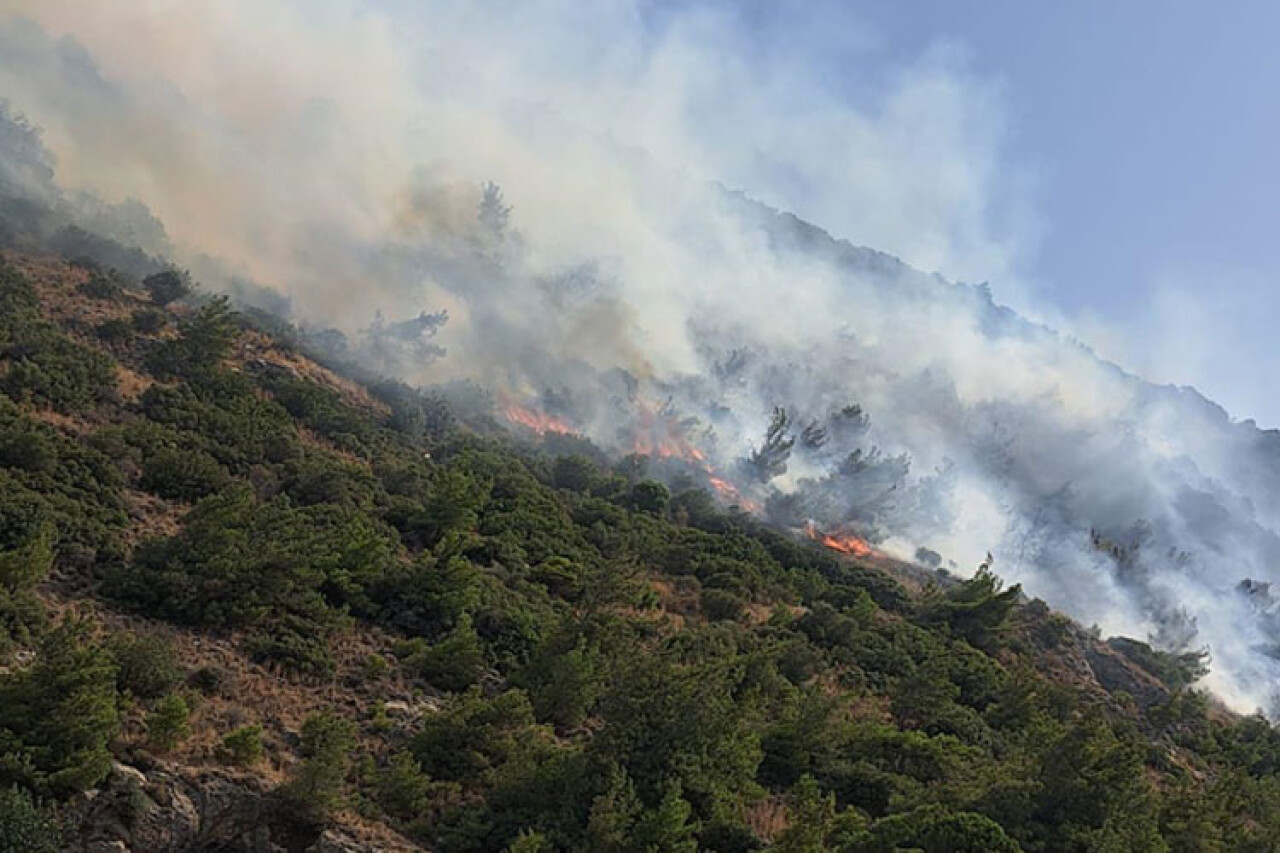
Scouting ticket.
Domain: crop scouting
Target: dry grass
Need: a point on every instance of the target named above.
(767, 817)
(130, 384)
(255, 346)
(261, 695)
(57, 283)
(74, 425)
(151, 516)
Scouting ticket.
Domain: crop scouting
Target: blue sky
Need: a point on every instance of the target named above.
(1154, 127)
(1108, 167)
(1153, 132)
(1138, 144)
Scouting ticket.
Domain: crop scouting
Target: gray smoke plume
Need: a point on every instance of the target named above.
(333, 159)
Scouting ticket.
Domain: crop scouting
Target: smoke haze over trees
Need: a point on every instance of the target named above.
(421, 214)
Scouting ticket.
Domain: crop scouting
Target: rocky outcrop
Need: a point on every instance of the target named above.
(167, 811)
(1117, 674)
(1071, 655)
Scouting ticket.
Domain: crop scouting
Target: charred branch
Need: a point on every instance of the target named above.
(771, 459)
(814, 436)
(849, 423)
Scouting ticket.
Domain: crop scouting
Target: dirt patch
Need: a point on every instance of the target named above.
(71, 425)
(130, 384)
(151, 517)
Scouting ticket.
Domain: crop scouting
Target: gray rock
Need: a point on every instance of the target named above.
(336, 841)
(165, 812)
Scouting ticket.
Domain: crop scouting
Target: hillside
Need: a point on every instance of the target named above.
(249, 603)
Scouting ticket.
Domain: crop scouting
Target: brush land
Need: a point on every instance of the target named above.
(248, 602)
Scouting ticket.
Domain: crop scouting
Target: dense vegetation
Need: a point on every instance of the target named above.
(613, 664)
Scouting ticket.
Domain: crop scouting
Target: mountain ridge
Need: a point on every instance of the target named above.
(943, 677)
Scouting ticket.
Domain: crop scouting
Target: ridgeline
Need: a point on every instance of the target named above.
(250, 603)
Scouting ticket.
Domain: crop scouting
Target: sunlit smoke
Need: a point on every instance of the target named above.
(331, 159)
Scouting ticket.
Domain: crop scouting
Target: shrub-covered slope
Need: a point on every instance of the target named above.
(334, 616)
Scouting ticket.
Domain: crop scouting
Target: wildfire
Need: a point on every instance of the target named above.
(729, 493)
(663, 436)
(659, 434)
(539, 422)
(670, 449)
(725, 489)
(845, 543)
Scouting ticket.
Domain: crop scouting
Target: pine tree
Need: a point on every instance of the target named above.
(58, 716)
(666, 829)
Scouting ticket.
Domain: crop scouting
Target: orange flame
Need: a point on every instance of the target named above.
(729, 493)
(539, 422)
(662, 436)
(845, 543)
(658, 435)
(725, 489)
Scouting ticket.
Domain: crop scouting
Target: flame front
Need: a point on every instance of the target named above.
(723, 488)
(539, 422)
(659, 435)
(663, 437)
(729, 493)
(845, 543)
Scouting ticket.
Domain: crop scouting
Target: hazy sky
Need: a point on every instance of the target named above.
(1109, 167)
(1153, 133)
(1139, 142)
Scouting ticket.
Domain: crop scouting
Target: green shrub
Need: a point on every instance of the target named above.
(43, 364)
(933, 829)
(103, 286)
(49, 479)
(720, 605)
(146, 666)
(221, 413)
(168, 723)
(650, 496)
(167, 286)
(242, 562)
(401, 788)
(58, 716)
(48, 367)
(1175, 670)
(577, 473)
(295, 645)
(22, 617)
(321, 409)
(25, 825)
(529, 841)
(148, 321)
(204, 339)
(243, 747)
(29, 563)
(474, 735)
(185, 475)
(379, 719)
(454, 663)
(375, 667)
(114, 333)
(316, 787)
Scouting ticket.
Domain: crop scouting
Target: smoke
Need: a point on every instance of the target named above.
(337, 153)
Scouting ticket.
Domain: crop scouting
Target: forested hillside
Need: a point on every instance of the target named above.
(247, 602)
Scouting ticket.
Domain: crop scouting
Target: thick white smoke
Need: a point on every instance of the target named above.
(335, 151)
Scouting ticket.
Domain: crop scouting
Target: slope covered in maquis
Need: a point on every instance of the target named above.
(224, 562)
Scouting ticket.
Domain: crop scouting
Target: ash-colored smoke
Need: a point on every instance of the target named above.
(337, 153)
